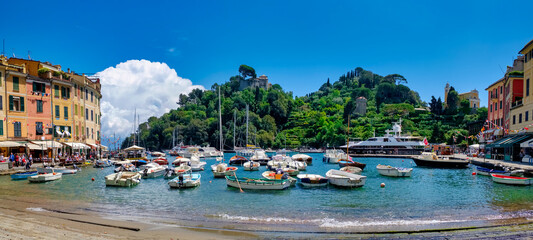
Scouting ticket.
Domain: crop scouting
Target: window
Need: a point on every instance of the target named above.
(527, 116)
(17, 129)
(514, 119)
(39, 106)
(92, 133)
(501, 104)
(65, 92)
(520, 118)
(2, 127)
(87, 114)
(98, 135)
(75, 109)
(56, 91)
(39, 87)
(1, 79)
(501, 89)
(39, 128)
(16, 104)
(75, 90)
(87, 132)
(66, 112)
(1, 103)
(86, 94)
(527, 87)
(57, 111)
(491, 108)
(92, 119)
(77, 132)
(15, 84)
(91, 96)
(495, 107)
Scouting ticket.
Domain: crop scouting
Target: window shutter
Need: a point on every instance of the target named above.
(10, 103)
(22, 104)
(1, 127)
(34, 86)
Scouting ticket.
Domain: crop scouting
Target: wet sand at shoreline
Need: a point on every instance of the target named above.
(29, 219)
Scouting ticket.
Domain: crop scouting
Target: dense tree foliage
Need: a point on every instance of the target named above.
(319, 119)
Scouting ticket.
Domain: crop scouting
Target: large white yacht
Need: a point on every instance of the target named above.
(392, 143)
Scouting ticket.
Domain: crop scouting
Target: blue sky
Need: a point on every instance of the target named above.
(298, 44)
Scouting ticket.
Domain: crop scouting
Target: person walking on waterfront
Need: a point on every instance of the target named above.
(17, 159)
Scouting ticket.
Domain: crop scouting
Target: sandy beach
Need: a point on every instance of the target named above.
(27, 219)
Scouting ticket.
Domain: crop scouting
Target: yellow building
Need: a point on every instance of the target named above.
(78, 102)
(15, 92)
(62, 108)
(3, 69)
(472, 97)
(92, 111)
(521, 117)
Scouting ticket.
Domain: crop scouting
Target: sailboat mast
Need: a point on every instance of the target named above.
(246, 145)
(220, 120)
(234, 118)
(134, 115)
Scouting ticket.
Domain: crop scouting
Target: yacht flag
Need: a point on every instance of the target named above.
(426, 142)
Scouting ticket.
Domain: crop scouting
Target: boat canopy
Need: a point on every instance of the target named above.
(509, 141)
(527, 144)
(134, 148)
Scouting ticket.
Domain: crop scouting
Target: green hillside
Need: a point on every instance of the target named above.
(278, 119)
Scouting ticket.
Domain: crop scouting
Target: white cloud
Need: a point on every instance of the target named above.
(151, 87)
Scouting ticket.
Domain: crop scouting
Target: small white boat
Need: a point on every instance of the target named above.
(510, 180)
(123, 179)
(196, 164)
(185, 181)
(221, 170)
(46, 177)
(251, 166)
(302, 158)
(180, 161)
(351, 169)
(334, 155)
(312, 180)
(152, 170)
(390, 171)
(100, 163)
(258, 184)
(260, 156)
(345, 179)
(278, 176)
(173, 172)
(62, 170)
(157, 154)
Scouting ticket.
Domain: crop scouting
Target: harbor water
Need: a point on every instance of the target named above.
(431, 198)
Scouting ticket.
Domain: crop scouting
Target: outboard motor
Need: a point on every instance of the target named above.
(146, 172)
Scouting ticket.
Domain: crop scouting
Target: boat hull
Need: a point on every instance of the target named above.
(511, 180)
(23, 176)
(62, 170)
(185, 181)
(123, 179)
(312, 180)
(394, 171)
(441, 163)
(45, 177)
(344, 179)
(258, 184)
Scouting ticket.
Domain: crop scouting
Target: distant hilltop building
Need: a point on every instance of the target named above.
(261, 82)
(472, 97)
(360, 106)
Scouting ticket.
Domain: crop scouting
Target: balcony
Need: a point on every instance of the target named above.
(516, 104)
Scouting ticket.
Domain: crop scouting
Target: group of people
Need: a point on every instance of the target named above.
(20, 159)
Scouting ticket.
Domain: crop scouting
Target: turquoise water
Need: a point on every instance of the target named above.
(430, 198)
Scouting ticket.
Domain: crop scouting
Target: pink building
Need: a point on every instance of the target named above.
(38, 105)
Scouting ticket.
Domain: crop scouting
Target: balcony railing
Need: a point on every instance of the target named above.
(516, 104)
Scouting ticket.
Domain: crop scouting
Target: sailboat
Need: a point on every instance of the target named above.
(221, 169)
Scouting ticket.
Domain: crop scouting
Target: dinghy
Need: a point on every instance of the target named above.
(45, 177)
(312, 180)
(257, 183)
(390, 171)
(123, 179)
(345, 179)
(510, 180)
(188, 180)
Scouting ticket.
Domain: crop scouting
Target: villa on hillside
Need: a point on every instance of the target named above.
(261, 82)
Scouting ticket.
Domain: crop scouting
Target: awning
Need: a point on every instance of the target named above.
(104, 148)
(510, 141)
(77, 145)
(9, 144)
(48, 144)
(31, 146)
(92, 145)
(527, 144)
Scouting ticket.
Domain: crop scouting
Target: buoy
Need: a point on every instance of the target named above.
(102, 168)
(382, 185)
(92, 179)
(402, 160)
(210, 181)
(474, 173)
